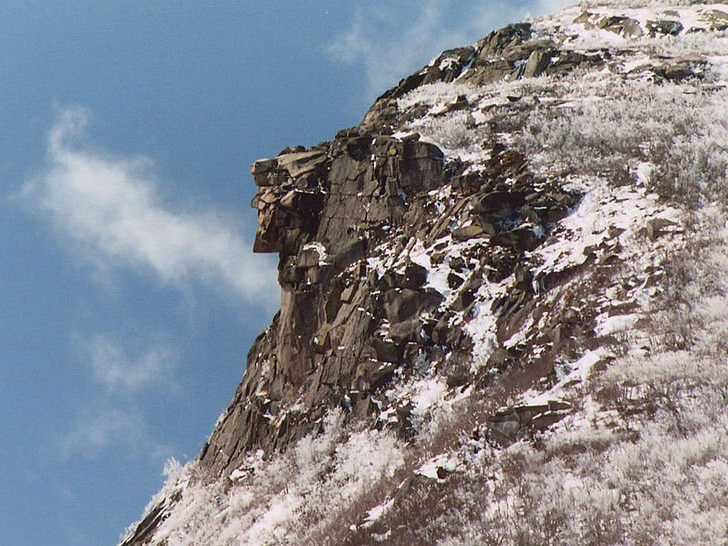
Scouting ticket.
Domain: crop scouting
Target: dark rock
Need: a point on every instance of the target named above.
(387, 351)
(499, 41)
(522, 239)
(499, 202)
(468, 184)
(441, 330)
(659, 226)
(446, 68)
(538, 62)
(466, 296)
(678, 71)
(499, 358)
(454, 280)
(499, 265)
(402, 304)
(625, 26)
(457, 264)
(415, 276)
(405, 331)
(457, 370)
(473, 231)
(510, 425)
(261, 169)
(523, 278)
(671, 28)
(352, 251)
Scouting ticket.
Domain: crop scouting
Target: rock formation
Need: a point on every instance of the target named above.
(402, 255)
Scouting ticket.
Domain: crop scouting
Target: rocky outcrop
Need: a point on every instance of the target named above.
(510, 425)
(392, 255)
(344, 327)
(323, 210)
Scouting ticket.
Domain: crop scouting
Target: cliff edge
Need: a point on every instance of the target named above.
(501, 294)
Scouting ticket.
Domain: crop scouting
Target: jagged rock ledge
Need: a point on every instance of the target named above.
(398, 259)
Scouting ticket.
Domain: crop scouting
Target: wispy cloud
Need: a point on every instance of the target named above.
(103, 427)
(388, 47)
(111, 418)
(118, 371)
(110, 208)
(387, 55)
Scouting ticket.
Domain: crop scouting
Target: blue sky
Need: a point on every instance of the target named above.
(129, 293)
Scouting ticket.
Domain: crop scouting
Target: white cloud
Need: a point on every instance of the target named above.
(102, 428)
(388, 56)
(118, 371)
(111, 209)
(389, 49)
(111, 418)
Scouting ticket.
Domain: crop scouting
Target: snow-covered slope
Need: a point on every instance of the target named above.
(505, 307)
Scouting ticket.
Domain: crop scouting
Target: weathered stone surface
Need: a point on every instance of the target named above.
(446, 68)
(625, 26)
(405, 331)
(586, 18)
(512, 424)
(658, 227)
(347, 218)
(538, 62)
(342, 327)
(324, 339)
(664, 26)
(468, 232)
(522, 239)
(717, 19)
(499, 202)
(460, 103)
(454, 280)
(402, 304)
(499, 41)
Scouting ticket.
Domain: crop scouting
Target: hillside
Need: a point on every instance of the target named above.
(504, 307)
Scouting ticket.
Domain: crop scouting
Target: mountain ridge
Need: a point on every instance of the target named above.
(482, 277)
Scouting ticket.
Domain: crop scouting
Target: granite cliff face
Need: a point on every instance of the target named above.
(344, 329)
(476, 239)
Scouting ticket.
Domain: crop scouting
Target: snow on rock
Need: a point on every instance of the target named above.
(438, 468)
(377, 512)
(617, 323)
(502, 270)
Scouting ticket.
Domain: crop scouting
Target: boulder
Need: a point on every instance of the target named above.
(716, 19)
(657, 227)
(261, 169)
(402, 304)
(415, 276)
(538, 62)
(497, 42)
(664, 26)
(408, 330)
(454, 280)
(445, 68)
(473, 231)
(511, 424)
(301, 163)
(523, 239)
(386, 350)
(624, 26)
(460, 103)
(502, 202)
(586, 18)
